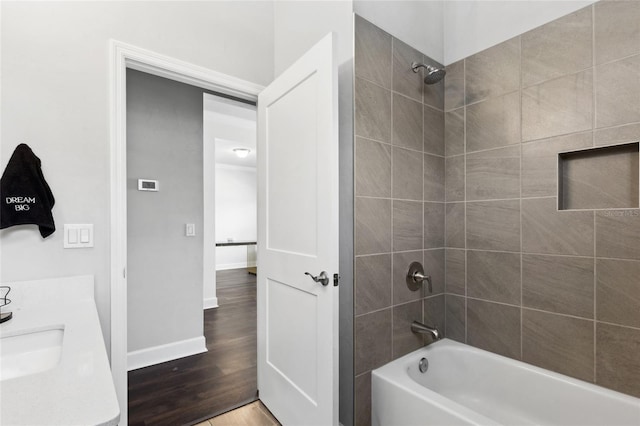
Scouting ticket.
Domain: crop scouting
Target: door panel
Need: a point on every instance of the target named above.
(298, 233)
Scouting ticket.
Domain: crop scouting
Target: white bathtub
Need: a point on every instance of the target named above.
(468, 386)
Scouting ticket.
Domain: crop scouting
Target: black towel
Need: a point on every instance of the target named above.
(26, 196)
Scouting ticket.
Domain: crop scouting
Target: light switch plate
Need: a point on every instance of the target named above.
(190, 230)
(78, 235)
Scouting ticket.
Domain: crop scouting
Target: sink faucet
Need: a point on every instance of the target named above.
(420, 328)
(5, 315)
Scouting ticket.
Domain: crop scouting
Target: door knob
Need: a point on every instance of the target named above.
(323, 278)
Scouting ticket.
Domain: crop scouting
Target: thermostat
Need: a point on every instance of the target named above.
(147, 185)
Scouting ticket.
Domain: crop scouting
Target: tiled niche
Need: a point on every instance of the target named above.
(555, 288)
(599, 178)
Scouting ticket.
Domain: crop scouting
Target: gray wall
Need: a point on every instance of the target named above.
(558, 289)
(164, 143)
(399, 202)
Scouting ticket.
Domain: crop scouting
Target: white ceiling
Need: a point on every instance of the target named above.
(230, 124)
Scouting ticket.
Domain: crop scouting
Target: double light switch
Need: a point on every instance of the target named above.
(78, 235)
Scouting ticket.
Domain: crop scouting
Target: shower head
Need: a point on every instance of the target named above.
(434, 74)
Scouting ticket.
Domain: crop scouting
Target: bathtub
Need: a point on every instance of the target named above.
(464, 385)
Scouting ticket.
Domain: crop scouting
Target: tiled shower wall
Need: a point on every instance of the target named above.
(399, 206)
(558, 289)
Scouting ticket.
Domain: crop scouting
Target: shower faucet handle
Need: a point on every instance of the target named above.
(416, 276)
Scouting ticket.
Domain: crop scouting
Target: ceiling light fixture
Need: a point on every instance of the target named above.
(241, 152)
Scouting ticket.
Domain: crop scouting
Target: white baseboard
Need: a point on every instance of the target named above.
(164, 353)
(211, 302)
(225, 266)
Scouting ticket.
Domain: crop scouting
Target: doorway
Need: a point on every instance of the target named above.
(186, 364)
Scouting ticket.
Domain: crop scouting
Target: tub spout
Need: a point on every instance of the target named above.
(418, 327)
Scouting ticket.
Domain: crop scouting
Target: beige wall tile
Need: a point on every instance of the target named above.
(407, 225)
(494, 276)
(407, 123)
(618, 234)
(618, 92)
(373, 111)
(455, 318)
(493, 225)
(372, 53)
(454, 86)
(362, 400)
(617, 29)
(454, 132)
(455, 271)
(493, 123)
(617, 360)
(373, 168)
(561, 47)
(549, 231)
(558, 343)
(560, 106)
(407, 170)
(615, 135)
(618, 292)
(493, 71)
(454, 178)
(373, 340)
(434, 142)
(454, 233)
(433, 225)
(433, 178)
(373, 226)
(494, 327)
(493, 174)
(559, 284)
(373, 283)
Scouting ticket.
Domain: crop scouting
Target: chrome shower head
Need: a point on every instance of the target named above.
(434, 74)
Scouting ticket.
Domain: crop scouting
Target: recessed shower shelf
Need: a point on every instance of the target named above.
(599, 178)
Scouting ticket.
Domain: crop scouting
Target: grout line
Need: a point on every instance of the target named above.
(392, 194)
(464, 224)
(520, 215)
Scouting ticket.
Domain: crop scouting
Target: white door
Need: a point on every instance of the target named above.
(298, 233)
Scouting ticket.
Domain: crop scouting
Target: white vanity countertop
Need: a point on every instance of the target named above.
(79, 390)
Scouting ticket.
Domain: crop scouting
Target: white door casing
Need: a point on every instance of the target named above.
(298, 233)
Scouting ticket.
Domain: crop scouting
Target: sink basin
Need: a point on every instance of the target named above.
(30, 352)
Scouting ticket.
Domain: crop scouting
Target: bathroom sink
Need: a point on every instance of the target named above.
(30, 352)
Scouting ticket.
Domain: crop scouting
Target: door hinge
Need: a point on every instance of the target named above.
(336, 280)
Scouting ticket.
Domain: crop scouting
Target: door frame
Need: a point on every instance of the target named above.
(121, 57)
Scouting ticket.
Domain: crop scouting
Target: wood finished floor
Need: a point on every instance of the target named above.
(254, 414)
(192, 389)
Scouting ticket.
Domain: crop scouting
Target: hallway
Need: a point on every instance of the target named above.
(192, 389)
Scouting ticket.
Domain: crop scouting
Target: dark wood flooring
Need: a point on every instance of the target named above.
(192, 389)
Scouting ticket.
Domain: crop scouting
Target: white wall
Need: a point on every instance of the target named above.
(55, 97)
(472, 26)
(236, 213)
(418, 23)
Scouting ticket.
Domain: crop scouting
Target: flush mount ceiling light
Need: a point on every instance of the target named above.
(241, 152)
